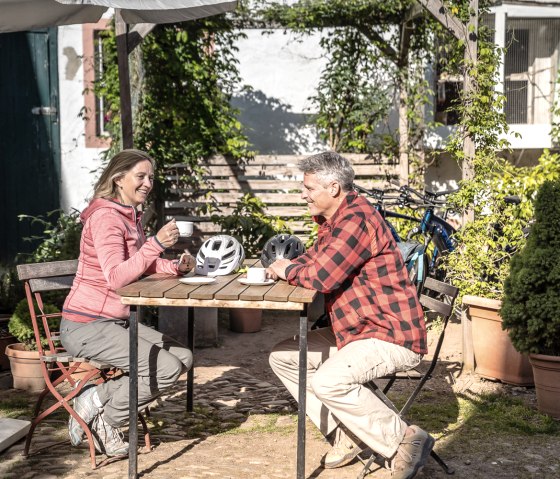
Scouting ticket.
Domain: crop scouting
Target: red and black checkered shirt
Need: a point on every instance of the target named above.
(368, 293)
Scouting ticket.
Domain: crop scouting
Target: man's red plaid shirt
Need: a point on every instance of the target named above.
(355, 262)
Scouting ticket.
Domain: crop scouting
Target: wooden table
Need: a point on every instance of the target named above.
(225, 292)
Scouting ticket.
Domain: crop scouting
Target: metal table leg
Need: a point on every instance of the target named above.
(302, 393)
(133, 396)
(190, 345)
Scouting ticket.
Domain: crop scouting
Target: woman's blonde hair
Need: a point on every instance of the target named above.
(119, 166)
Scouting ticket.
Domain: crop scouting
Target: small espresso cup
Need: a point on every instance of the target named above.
(256, 275)
(185, 228)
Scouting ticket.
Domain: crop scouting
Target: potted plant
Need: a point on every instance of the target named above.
(480, 265)
(531, 303)
(11, 291)
(23, 355)
(252, 227)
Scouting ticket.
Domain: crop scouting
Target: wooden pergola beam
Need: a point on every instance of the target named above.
(447, 19)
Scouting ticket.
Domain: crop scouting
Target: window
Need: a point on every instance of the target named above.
(94, 111)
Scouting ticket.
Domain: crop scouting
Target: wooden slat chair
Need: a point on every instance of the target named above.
(40, 278)
(437, 300)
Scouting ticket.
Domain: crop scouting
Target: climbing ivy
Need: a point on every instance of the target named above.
(183, 78)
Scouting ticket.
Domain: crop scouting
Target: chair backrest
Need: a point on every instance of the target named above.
(40, 278)
(438, 297)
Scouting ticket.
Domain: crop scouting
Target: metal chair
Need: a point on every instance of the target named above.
(437, 299)
(57, 365)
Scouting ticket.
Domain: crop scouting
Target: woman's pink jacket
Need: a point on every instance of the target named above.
(114, 252)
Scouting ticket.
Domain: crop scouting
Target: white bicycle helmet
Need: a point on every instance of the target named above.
(219, 255)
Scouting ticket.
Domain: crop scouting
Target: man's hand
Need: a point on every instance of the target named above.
(278, 269)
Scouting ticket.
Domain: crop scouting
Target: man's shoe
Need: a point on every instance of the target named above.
(412, 454)
(86, 409)
(344, 450)
(108, 439)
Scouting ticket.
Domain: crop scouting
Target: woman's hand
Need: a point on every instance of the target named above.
(186, 263)
(168, 234)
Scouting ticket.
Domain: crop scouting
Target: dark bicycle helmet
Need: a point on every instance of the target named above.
(281, 246)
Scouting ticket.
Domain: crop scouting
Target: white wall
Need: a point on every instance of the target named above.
(283, 73)
(77, 161)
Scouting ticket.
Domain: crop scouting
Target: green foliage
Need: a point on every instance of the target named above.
(363, 72)
(251, 225)
(11, 289)
(531, 304)
(186, 76)
(60, 239)
(480, 265)
(353, 96)
(21, 326)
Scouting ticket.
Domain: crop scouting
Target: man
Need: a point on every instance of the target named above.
(377, 325)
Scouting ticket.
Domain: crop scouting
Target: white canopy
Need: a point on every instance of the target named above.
(19, 15)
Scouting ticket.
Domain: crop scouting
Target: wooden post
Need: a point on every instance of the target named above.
(403, 65)
(121, 29)
(470, 58)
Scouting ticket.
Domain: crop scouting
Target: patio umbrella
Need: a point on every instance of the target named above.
(22, 15)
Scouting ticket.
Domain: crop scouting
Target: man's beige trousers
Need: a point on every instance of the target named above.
(335, 391)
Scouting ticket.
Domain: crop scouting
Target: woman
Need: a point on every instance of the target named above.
(114, 252)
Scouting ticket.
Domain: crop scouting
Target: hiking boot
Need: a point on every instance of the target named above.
(85, 408)
(412, 454)
(345, 449)
(108, 439)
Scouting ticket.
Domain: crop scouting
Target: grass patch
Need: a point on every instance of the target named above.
(265, 423)
(483, 415)
(496, 413)
(14, 408)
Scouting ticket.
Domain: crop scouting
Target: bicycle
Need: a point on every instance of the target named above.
(421, 258)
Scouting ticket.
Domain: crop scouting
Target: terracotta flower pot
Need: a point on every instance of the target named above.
(26, 368)
(547, 383)
(245, 320)
(494, 354)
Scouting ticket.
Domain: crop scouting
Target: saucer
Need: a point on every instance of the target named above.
(197, 280)
(266, 282)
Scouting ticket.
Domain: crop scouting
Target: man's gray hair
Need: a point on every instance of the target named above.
(329, 166)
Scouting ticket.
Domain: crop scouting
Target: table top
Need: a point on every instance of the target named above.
(226, 292)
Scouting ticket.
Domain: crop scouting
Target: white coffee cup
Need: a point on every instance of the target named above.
(256, 275)
(185, 228)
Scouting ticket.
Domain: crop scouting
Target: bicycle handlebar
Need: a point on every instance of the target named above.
(407, 196)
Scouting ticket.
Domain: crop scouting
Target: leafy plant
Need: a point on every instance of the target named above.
(531, 304)
(21, 326)
(60, 239)
(251, 225)
(480, 264)
(11, 289)
(185, 77)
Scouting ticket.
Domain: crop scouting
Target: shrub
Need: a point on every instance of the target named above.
(480, 264)
(21, 326)
(531, 303)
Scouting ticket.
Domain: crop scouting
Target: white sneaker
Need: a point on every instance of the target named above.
(108, 439)
(344, 450)
(84, 405)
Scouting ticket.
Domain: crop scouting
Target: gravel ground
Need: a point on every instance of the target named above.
(244, 426)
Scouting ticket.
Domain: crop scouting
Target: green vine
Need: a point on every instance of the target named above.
(186, 75)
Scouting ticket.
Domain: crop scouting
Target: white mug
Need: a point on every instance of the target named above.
(256, 275)
(185, 228)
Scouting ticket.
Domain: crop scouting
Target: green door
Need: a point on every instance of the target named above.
(29, 135)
